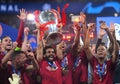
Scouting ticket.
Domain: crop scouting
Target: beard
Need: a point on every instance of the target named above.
(50, 58)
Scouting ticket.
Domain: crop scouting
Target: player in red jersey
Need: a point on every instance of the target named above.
(103, 66)
(80, 70)
(50, 69)
(66, 62)
(16, 72)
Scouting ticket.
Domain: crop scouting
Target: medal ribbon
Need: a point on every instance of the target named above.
(64, 62)
(102, 70)
(14, 71)
(77, 61)
(52, 64)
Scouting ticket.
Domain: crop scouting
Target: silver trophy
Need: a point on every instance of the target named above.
(47, 16)
(52, 36)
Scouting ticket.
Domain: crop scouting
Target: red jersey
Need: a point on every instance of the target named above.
(108, 70)
(67, 78)
(80, 69)
(50, 75)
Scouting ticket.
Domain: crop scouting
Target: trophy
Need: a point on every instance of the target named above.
(49, 20)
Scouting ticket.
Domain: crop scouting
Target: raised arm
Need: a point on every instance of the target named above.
(87, 41)
(105, 27)
(114, 52)
(59, 50)
(25, 41)
(112, 30)
(22, 18)
(39, 51)
(99, 40)
(77, 26)
(77, 29)
(60, 27)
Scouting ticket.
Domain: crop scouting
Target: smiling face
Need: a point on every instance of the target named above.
(50, 54)
(101, 51)
(6, 43)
